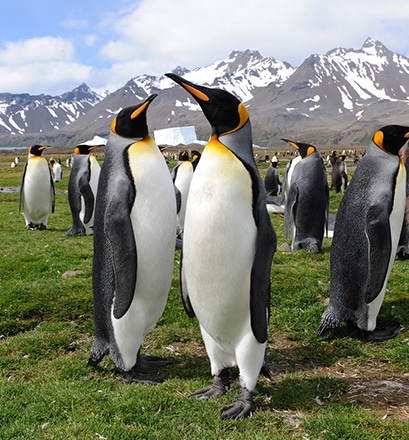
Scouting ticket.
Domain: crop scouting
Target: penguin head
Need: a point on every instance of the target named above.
(224, 111)
(305, 150)
(85, 149)
(184, 156)
(391, 138)
(36, 150)
(195, 158)
(131, 121)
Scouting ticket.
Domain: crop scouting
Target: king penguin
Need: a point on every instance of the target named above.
(228, 247)
(366, 235)
(307, 200)
(134, 244)
(339, 176)
(182, 175)
(82, 188)
(36, 190)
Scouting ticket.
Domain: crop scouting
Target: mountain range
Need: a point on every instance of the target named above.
(337, 99)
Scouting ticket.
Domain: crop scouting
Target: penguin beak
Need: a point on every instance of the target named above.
(193, 89)
(224, 111)
(143, 106)
(291, 143)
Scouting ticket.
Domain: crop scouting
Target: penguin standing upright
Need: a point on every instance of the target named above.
(403, 245)
(339, 176)
(82, 188)
(272, 181)
(56, 170)
(228, 247)
(182, 175)
(366, 235)
(134, 244)
(36, 190)
(307, 200)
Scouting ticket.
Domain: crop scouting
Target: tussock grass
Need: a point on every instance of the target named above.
(321, 388)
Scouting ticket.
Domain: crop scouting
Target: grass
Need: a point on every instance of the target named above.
(337, 387)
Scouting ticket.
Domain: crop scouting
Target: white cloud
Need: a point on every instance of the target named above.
(36, 50)
(155, 36)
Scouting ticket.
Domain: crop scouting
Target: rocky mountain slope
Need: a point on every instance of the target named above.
(338, 98)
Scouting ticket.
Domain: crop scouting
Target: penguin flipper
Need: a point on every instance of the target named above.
(378, 233)
(178, 196)
(120, 235)
(266, 243)
(290, 202)
(86, 192)
(52, 192)
(21, 200)
(183, 289)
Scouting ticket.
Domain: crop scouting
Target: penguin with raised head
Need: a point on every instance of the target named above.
(366, 235)
(37, 192)
(307, 200)
(134, 244)
(228, 247)
(339, 176)
(82, 188)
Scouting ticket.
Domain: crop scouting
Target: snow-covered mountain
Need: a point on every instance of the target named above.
(336, 98)
(24, 113)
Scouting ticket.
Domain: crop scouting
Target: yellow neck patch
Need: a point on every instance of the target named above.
(244, 116)
(378, 139)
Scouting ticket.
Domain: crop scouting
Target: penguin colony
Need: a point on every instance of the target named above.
(138, 211)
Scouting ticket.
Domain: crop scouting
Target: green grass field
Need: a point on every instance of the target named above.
(337, 387)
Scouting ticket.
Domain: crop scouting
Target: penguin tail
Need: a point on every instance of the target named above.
(329, 322)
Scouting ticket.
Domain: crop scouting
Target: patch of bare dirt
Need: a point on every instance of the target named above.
(375, 386)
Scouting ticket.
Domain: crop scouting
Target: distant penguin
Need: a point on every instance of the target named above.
(37, 192)
(403, 245)
(134, 244)
(82, 189)
(228, 247)
(272, 181)
(56, 170)
(367, 230)
(182, 175)
(288, 175)
(339, 176)
(307, 200)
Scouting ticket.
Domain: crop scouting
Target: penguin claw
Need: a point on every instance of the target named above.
(209, 392)
(218, 388)
(241, 408)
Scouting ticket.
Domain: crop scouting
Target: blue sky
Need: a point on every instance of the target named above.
(51, 47)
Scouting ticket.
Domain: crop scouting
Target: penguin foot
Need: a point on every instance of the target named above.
(31, 227)
(133, 376)
(42, 227)
(148, 364)
(241, 408)
(218, 388)
(384, 335)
